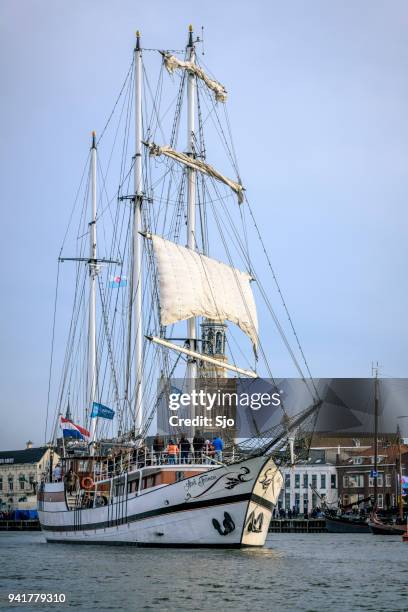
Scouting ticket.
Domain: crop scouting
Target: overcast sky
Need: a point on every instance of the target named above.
(318, 104)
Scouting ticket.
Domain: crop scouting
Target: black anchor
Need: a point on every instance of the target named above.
(228, 524)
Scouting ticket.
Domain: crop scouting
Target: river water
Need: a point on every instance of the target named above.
(308, 572)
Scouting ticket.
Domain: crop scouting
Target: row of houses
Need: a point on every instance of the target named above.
(340, 472)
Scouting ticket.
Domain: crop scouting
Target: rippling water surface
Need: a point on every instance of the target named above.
(314, 572)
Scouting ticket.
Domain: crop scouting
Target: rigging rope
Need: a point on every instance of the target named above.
(52, 351)
(129, 72)
(282, 298)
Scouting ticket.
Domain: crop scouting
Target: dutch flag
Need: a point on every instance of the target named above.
(70, 430)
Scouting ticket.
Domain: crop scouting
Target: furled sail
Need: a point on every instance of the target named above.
(191, 285)
(196, 164)
(172, 63)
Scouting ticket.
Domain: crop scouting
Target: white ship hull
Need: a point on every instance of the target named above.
(227, 506)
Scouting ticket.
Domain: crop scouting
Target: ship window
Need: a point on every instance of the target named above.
(82, 466)
(149, 481)
(119, 489)
(179, 476)
(133, 486)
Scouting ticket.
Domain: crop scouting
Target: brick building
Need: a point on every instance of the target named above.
(355, 469)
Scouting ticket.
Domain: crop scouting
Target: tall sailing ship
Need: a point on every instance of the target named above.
(152, 299)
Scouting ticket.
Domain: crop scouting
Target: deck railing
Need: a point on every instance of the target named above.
(136, 459)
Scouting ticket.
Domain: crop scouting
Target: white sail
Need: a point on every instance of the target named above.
(172, 63)
(192, 285)
(196, 164)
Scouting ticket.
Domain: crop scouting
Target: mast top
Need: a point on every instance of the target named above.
(137, 40)
(190, 36)
(93, 140)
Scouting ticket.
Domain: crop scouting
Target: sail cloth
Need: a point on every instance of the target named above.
(172, 63)
(191, 285)
(196, 164)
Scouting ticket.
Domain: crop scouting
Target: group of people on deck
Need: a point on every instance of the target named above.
(200, 451)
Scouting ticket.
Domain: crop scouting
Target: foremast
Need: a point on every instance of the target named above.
(137, 242)
(93, 273)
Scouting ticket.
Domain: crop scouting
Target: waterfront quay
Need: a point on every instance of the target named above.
(12, 525)
(297, 525)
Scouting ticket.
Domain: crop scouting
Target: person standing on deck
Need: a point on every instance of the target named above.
(57, 473)
(158, 448)
(218, 445)
(185, 447)
(172, 451)
(198, 445)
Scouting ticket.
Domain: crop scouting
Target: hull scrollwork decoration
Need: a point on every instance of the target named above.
(228, 525)
(266, 479)
(206, 482)
(255, 524)
(235, 479)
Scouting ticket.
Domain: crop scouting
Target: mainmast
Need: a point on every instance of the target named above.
(93, 272)
(137, 240)
(191, 185)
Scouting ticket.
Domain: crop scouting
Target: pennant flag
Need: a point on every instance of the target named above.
(70, 430)
(99, 410)
(118, 281)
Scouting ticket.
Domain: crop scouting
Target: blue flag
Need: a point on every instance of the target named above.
(99, 410)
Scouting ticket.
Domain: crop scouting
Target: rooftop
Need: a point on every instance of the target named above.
(28, 455)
